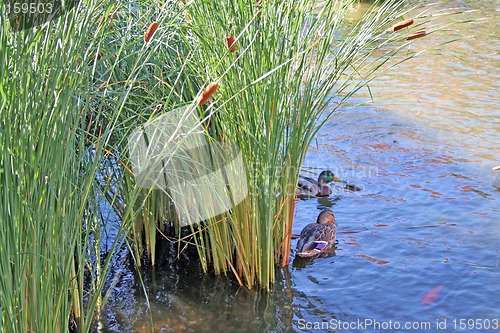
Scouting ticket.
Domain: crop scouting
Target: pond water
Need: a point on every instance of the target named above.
(419, 246)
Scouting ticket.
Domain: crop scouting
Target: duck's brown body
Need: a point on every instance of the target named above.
(318, 237)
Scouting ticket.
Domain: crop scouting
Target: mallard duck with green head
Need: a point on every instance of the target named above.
(308, 187)
(318, 237)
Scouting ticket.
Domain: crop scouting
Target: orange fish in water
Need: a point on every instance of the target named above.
(377, 261)
(432, 295)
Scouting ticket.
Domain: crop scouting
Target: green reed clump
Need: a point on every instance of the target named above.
(74, 89)
(71, 91)
(285, 62)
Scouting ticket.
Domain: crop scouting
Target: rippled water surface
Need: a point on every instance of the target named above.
(420, 244)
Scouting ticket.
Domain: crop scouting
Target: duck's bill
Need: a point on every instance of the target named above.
(338, 180)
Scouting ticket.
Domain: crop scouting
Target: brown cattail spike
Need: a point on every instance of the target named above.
(230, 43)
(150, 32)
(402, 24)
(209, 90)
(416, 35)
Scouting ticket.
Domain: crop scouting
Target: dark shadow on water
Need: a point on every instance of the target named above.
(184, 299)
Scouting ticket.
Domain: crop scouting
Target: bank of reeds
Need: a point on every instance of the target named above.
(44, 183)
(73, 90)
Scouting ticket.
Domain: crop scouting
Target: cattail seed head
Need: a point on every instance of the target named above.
(107, 18)
(402, 24)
